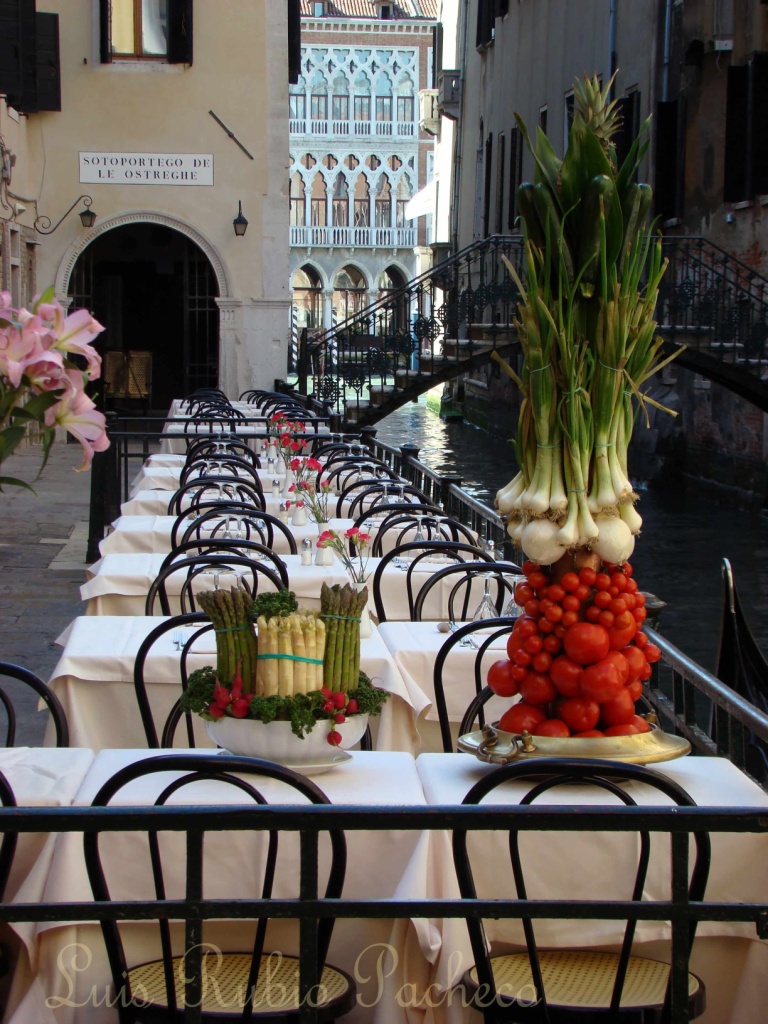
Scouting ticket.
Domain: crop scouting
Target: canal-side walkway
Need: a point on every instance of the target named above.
(42, 562)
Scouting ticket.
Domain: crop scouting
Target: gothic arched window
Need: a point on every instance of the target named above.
(340, 99)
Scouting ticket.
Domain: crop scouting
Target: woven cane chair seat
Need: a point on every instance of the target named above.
(225, 979)
(582, 979)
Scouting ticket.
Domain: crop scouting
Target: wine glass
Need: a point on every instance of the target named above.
(512, 610)
(486, 609)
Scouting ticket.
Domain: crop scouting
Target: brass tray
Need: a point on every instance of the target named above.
(495, 746)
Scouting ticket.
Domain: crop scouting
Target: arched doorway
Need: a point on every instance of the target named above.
(348, 293)
(307, 297)
(155, 291)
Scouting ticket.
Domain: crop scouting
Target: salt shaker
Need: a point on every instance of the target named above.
(276, 488)
(306, 551)
(283, 508)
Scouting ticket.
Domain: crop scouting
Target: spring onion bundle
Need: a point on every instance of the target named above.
(587, 331)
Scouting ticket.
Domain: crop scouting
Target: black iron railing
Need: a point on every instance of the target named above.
(677, 822)
(449, 319)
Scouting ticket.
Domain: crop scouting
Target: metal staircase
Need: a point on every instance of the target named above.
(450, 319)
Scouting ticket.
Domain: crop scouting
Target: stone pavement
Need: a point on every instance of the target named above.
(42, 565)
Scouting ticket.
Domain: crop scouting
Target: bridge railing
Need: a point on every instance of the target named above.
(417, 332)
(714, 302)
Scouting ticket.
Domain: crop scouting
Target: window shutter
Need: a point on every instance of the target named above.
(501, 8)
(487, 186)
(665, 178)
(294, 41)
(105, 31)
(437, 52)
(758, 104)
(10, 54)
(48, 76)
(515, 173)
(734, 184)
(179, 31)
(629, 109)
(26, 97)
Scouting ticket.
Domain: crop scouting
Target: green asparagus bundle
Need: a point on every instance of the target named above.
(341, 607)
(290, 657)
(236, 645)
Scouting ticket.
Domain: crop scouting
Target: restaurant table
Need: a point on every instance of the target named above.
(94, 681)
(119, 584)
(168, 478)
(155, 503)
(176, 435)
(39, 777)
(414, 647)
(728, 956)
(152, 534)
(71, 959)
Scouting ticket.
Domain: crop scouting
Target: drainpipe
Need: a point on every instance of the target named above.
(462, 53)
(667, 50)
(612, 46)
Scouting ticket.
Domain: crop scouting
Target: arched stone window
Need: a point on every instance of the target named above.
(318, 100)
(383, 98)
(297, 100)
(361, 101)
(319, 204)
(348, 293)
(308, 296)
(297, 201)
(340, 99)
(383, 203)
(340, 201)
(405, 102)
(362, 202)
(404, 194)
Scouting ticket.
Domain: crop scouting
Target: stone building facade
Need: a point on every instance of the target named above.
(357, 156)
(131, 106)
(700, 68)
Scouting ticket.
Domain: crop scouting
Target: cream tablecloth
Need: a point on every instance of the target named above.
(74, 956)
(732, 962)
(39, 777)
(152, 535)
(94, 681)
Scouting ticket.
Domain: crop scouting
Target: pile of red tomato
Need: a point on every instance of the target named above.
(578, 656)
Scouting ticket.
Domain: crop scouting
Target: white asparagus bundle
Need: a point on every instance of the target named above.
(291, 649)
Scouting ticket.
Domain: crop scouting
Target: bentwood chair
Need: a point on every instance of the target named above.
(401, 526)
(224, 445)
(249, 548)
(238, 523)
(40, 691)
(214, 488)
(464, 584)
(223, 464)
(202, 572)
(188, 629)
(364, 496)
(243, 976)
(572, 985)
(483, 639)
(416, 563)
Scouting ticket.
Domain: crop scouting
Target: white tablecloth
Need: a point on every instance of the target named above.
(732, 962)
(39, 777)
(94, 681)
(178, 434)
(152, 535)
(120, 583)
(378, 779)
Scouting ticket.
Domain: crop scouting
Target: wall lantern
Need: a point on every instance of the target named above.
(87, 217)
(239, 223)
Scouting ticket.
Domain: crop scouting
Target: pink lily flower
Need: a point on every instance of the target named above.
(78, 415)
(75, 335)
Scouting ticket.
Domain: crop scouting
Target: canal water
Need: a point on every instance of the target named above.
(678, 554)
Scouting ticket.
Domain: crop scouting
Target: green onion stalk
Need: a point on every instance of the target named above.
(586, 327)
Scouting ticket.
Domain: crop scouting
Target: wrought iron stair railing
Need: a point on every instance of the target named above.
(444, 321)
(449, 319)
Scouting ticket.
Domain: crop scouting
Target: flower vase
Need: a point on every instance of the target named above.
(286, 492)
(299, 517)
(324, 556)
(271, 451)
(366, 627)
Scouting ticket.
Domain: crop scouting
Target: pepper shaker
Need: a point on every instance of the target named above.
(276, 488)
(283, 509)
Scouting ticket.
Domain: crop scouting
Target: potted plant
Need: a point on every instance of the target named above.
(293, 689)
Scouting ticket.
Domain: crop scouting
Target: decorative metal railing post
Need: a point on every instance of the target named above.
(409, 451)
(445, 491)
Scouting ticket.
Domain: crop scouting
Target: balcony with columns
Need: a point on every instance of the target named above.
(353, 237)
(333, 129)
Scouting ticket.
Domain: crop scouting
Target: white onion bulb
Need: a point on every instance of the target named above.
(615, 542)
(539, 542)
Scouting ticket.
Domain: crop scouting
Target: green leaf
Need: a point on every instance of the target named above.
(11, 481)
(584, 160)
(10, 439)
(544, 165)
(37, 406)
(47, 297)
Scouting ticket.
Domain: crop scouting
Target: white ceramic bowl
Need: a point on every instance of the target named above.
(275, 741)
